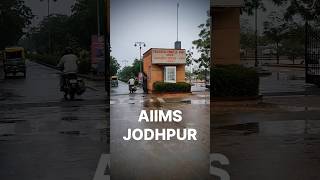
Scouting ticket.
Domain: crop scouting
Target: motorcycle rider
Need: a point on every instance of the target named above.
(131, 84)
(69, 63)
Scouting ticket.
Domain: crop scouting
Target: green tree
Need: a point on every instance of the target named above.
(74, 30)
(136, 67)
(114, 66)
(250, 6)
(60, 33)
(274, 30)
(126, 73)
(83, 21)
(306, 9)
(200, 73)
(247, 36)
(189, 57)
(130, 71)
(189, 75)
(293, 41)
(202, 45)
(15, 16)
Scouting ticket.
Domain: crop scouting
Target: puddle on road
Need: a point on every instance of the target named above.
(153, 104)
(70, 132)
(196, 101)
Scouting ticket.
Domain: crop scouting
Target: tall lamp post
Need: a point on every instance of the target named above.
(49, 31)
(140, 44)
(256, 63)
(106, 33)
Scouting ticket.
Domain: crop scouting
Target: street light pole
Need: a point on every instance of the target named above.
(140, 61)
(256, 36)
(49, 30)
(140, 44)
(106, 20)
(177, 21)
(98, 19)
(48, 7)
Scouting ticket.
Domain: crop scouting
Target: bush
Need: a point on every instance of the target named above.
(171, 87)
(234, 81)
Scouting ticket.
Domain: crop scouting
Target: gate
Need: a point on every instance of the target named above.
(312, 55)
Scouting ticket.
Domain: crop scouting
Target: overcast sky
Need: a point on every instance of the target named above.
(153, 22)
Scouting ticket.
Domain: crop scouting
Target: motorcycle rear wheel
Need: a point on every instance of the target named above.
(71, 95)
(65, 96)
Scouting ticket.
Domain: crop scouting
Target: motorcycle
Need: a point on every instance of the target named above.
(72, 86)
(132, 89)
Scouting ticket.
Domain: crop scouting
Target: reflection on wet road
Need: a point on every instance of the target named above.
(176, 160)
(274, 142)
(284, 81)
(44, 137)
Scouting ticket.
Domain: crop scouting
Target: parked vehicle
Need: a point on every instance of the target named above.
(114, 81)
(14, 61)
(72, 86)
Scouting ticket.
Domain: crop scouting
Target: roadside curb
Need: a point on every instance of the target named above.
(44, 64)
(80, 75)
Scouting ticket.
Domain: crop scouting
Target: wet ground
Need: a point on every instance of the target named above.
(44, 137)
(277, 138)
(286, 81)
(176, 160)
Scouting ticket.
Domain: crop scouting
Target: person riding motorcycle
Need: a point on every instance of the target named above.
(131, 84)
(69, 63)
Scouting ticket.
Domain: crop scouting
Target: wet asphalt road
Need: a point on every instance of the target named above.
(278, 138)
(44, 137)
(145, 160)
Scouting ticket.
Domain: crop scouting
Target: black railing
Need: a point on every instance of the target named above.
(274, 60)
(312, 55)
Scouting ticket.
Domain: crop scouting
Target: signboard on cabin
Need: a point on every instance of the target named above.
(168, 56)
